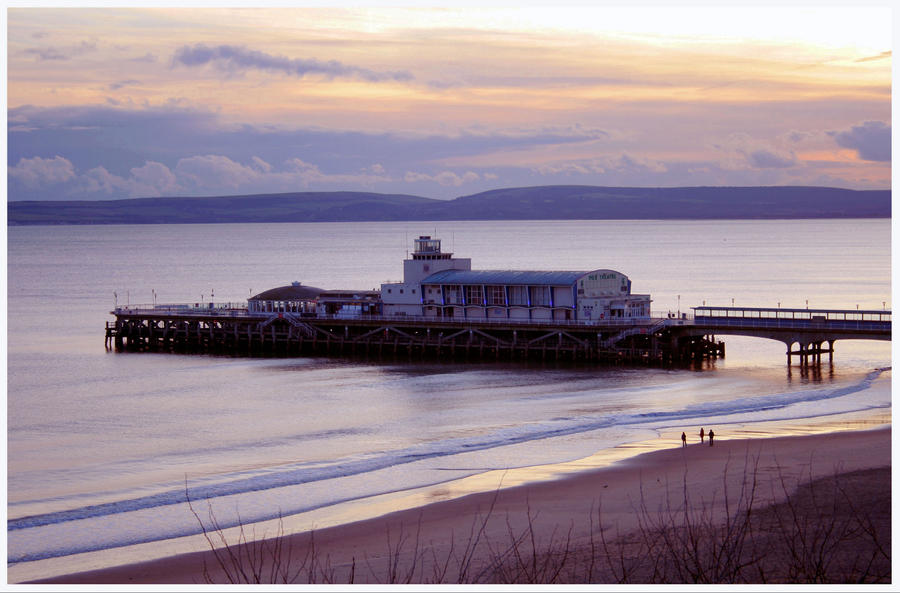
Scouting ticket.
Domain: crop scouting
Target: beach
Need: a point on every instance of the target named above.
(522, 530)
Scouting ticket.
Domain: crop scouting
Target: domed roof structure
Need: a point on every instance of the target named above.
(293, 292)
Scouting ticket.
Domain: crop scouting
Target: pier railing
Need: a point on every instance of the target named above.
(191, 308)
(208, 310)
(756, 317)
(720, 317)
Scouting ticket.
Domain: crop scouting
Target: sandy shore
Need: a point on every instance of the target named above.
(439, 540)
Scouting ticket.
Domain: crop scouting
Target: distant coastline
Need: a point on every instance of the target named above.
(557, 202)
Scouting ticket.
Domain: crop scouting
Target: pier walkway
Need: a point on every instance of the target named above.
(232, 328)
(813, 331)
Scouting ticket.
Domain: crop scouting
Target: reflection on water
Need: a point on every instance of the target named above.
(810, 373)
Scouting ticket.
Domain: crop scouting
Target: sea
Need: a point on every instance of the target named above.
(108, 452)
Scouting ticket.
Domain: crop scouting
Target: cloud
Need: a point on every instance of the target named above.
(613, 164)
(571, 168)
(100, 181)
(444, 178)
(214, 172)
(119, 84)
(307, 175)
(628, 162)
(147, 58)
(797, 136)
(61, 53)
(882, 56)
(103, 152)
(38, 172)
(745, 152)
(262, 165)
(234, 58)
(770, 159)
(871, 140)
(150, 180)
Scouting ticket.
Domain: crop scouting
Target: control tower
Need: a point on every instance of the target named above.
(427, 258)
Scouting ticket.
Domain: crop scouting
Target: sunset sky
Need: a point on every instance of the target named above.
(441, 102)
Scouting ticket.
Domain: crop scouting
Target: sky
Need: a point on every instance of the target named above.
(113, 103)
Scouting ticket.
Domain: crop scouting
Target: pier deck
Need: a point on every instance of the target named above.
(231, 328)
(236, 330)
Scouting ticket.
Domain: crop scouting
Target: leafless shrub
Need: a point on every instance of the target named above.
(525, 558)
(809, 531)
(815, 535)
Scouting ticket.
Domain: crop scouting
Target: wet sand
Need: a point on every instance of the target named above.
(427, 543)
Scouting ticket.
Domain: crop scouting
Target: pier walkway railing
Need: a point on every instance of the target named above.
(240, 310)
(711, 318)
(799, 319)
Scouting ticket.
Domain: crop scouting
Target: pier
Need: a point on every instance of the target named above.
(234, 329)
(443, 308)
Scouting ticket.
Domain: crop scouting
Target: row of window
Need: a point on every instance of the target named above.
(282, 306)
(492, 295)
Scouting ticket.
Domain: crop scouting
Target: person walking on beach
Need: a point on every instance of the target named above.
(683, 440)
(701, 435)
(711, 435)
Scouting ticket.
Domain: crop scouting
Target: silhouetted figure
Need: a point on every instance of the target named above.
(683, 440)
(711, 435)
(702, 434)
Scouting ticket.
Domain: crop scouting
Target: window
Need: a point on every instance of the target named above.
(453, 295)
(474, 295)
(496, 295)
(540, 295)
(518, 295)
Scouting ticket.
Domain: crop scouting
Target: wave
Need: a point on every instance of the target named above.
(292, 475)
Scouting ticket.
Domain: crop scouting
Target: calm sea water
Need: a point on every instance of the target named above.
(102, 445)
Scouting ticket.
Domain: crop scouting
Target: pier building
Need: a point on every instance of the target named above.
(294, 298)
(435, 284)
(349, 303)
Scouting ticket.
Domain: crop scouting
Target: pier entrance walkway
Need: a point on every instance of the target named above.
(813, 331)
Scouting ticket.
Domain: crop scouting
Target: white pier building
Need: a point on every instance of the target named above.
(435, 284)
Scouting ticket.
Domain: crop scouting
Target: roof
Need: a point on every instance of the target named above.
(504, 277)
(292, 292)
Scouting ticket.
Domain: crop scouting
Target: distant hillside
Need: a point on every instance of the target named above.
(525, 203)
(292, 207)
